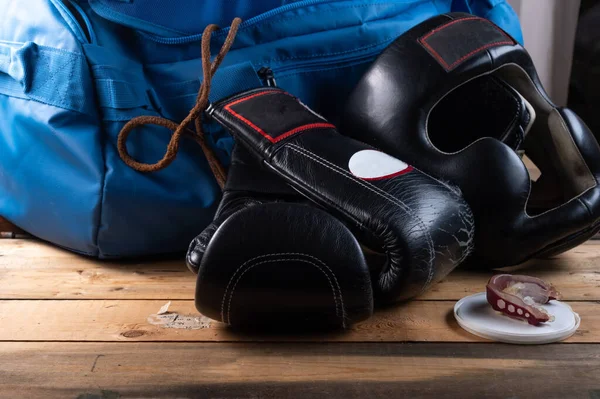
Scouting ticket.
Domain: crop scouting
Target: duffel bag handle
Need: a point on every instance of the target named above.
(51, 76)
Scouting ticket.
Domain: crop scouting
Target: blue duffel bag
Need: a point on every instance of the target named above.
(73, 72)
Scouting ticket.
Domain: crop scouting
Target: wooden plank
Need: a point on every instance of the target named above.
(31, 269)
(189, 370)
(575, 273)
(37, 270)
(119, 320)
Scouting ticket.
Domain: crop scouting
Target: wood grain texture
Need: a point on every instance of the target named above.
(34, 269)
(30, 269)
(575, 273)
(87, 336)
(270, 370)
(127, 320)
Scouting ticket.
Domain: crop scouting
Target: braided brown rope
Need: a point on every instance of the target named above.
(195, 114)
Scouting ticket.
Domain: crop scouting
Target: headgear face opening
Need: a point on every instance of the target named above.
(507, 106)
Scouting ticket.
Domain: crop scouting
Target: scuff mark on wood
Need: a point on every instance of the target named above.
(175, 320)
(95, 361)
(164, 309)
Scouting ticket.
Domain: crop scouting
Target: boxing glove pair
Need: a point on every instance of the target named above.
(302, 206)
(455, 96)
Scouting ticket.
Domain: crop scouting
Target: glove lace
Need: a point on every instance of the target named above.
(195, 114)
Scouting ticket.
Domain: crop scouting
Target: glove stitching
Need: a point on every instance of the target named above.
(379, 192)
(341, 303)
(298, 260)
(251, 260)
(274, 261)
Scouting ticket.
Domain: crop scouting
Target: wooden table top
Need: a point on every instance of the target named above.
(71, 327)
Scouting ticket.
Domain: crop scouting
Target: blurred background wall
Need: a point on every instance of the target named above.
(549, 32)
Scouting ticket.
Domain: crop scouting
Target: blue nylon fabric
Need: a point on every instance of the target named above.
(67, 89)
(50, 172)
(58, 78)
(189, 17)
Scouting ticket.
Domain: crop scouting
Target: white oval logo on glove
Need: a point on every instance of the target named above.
(376, 165)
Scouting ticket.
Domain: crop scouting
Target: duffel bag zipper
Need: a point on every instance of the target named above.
(270, 75)
(267, 76)
(245, 24)
(267, 73)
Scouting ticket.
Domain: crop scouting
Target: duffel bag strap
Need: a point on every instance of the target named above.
(208, 70)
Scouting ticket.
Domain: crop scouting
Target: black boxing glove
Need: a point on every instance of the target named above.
(271, 259)
(422, 225)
